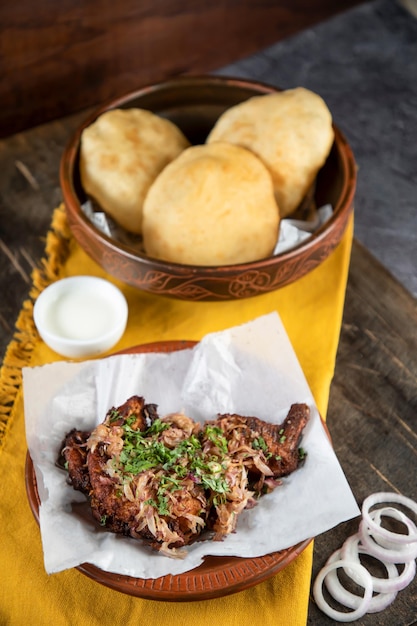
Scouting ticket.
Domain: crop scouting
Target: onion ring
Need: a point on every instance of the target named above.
(377, 603)
(404, 554)
(390, 511)
(366, 583)
(383, 498)
(392, 549)
(350, 551)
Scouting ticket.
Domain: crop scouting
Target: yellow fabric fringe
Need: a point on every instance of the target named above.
(19, 351)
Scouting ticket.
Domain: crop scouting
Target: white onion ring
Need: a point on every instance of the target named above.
(383, 498)
(377, 603)
(366, 583)
(390, 548)
(390, 511)
(403, 554)
(350, 551)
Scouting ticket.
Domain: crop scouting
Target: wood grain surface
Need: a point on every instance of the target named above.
(373, 400)
(29, 183)
(57, 58)
(372, 416)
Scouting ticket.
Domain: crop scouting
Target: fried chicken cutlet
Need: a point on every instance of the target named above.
(167, 480)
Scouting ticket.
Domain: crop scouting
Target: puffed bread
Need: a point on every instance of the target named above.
(121, 154)
(213, 205)
(291, 131)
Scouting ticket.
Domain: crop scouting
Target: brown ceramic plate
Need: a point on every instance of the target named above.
(194, 104)
(215, 577)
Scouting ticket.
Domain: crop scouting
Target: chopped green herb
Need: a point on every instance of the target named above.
(157, 427)
(301, 454)
(169, 482)
(260, 444)
(216, 436)
(219, 498)
(214, 467)
(114, 415)
(162, 505)
(146, 450)
(217, 484)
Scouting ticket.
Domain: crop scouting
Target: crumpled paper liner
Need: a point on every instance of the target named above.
(249, 369)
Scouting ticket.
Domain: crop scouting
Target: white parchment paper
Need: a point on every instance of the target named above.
(249, 369)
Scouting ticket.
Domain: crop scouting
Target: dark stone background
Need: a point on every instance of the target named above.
(364, 64)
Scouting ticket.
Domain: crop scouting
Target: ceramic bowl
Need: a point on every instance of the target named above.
(194, 104)
(81, 316)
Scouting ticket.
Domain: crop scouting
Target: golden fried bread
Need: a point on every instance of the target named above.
(213, 205)
(291, 131)
(121, 154)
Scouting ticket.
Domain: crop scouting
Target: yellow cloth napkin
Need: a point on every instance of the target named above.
(311, 310)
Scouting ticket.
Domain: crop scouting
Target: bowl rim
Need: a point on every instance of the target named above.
(69, 157)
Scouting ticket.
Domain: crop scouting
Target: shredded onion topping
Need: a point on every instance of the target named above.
(176, 477)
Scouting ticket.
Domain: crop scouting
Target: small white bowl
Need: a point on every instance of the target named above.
(81, 316)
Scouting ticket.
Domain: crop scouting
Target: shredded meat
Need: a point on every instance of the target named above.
(167, 480)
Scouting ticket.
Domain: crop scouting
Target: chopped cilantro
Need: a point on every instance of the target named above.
(157, 427)
(217, 484)
(259, 444)
(162, 505)
(114, 415)
(146, 450)
(216, 436)
(301, 454)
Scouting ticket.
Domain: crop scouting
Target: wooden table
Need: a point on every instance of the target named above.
(373, 401)
(372, 414)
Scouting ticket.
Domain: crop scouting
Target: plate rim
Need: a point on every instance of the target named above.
(216, 577)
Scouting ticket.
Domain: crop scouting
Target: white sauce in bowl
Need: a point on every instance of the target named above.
(81, 316)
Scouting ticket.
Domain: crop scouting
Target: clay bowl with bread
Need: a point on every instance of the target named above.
(194, 106)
